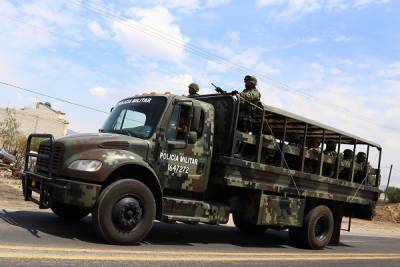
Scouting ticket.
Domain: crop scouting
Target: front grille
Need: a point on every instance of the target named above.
(43, 164)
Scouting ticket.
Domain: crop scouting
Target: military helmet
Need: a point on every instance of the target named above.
(348, 154)
(361, 157)
(331, 145)
(194, 86)
(251, 79)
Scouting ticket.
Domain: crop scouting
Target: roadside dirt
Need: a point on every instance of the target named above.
(11, 193)
(388, 213)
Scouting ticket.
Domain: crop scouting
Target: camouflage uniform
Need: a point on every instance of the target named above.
(251, 96)
(193, 89)
(314, 151)
(345, 172)
(359, 176)
(329, 169)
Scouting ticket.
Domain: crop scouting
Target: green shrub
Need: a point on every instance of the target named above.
(393, 195)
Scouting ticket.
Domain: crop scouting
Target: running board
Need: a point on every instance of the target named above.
(188, 210)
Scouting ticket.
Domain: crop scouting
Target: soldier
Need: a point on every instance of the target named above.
(329, 169)
(314, 150)
(361, 158)
(193, 89)
(251, 96)
(360, 175)
(250, 93)
(345, 173)
(348, 155)
(330, 148)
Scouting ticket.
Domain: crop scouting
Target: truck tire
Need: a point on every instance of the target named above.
(69, 212)
(124, 212)
(247, 227)
(318, 227)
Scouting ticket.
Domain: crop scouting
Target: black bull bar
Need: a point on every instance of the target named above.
(51, 188)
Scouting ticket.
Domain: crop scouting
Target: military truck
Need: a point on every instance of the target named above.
(173, 158)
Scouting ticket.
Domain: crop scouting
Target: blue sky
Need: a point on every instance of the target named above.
(334, 61)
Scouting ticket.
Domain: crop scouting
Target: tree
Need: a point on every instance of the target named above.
(9, 131)
(393, 194)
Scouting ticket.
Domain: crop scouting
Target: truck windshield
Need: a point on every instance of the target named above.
(135, 116)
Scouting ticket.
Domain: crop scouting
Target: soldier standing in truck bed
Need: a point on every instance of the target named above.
(250, 97)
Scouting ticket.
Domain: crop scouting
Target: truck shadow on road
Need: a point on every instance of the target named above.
(40, 224)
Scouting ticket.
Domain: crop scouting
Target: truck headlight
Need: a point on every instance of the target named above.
(86, 165)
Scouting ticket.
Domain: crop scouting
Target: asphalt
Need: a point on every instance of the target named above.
(34, 238)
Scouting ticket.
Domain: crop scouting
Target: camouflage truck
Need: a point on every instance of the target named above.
(174, 158)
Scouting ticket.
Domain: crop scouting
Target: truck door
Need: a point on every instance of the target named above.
(185, 155)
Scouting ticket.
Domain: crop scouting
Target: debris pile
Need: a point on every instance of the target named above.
(388, 213)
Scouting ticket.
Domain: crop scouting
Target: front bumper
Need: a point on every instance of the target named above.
(60, 190)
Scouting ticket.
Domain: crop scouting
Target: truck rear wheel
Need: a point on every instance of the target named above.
(318, 227)
(247, 227)
(69, 212)
(124, 212)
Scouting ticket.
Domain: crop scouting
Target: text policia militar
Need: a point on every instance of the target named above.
(171, 158)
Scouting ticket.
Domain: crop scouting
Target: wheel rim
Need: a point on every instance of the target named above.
(127, 213)
(321, 228)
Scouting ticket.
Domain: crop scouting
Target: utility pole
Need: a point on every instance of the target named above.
(387, 186)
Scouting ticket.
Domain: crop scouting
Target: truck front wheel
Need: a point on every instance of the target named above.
(68, 212)
(246, 227)
(124, 212)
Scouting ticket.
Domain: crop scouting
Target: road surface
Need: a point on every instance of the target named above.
(37, 238)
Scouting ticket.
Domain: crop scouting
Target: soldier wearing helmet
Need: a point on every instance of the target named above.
(250, 93)
(250, 98)
(193, 89)
(330, 149)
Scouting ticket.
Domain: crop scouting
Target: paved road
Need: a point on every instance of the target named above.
(34, 238)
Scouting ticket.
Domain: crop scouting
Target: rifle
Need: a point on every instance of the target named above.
(221, 91)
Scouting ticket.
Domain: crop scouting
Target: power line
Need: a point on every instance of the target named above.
(52, 97)
(193, 49)
(146, 29)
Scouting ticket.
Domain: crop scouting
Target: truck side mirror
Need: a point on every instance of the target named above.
(195, 126)
(111, 110)
(192, 137)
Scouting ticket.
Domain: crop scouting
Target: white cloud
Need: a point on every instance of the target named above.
(342, 39)
(161, 82)
(290, 10)
(141, 41)
(250, 58)
(361, 3)
(391, 70)
(188, 6)
(311, 40)
(335, 71)
(97, 30)
(215, 3)
(99, 91)
(39, 23)
(234, 36)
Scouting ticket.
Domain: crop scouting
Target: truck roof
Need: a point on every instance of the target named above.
(318, 124)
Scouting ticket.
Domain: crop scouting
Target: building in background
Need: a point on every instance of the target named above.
(40, 119)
